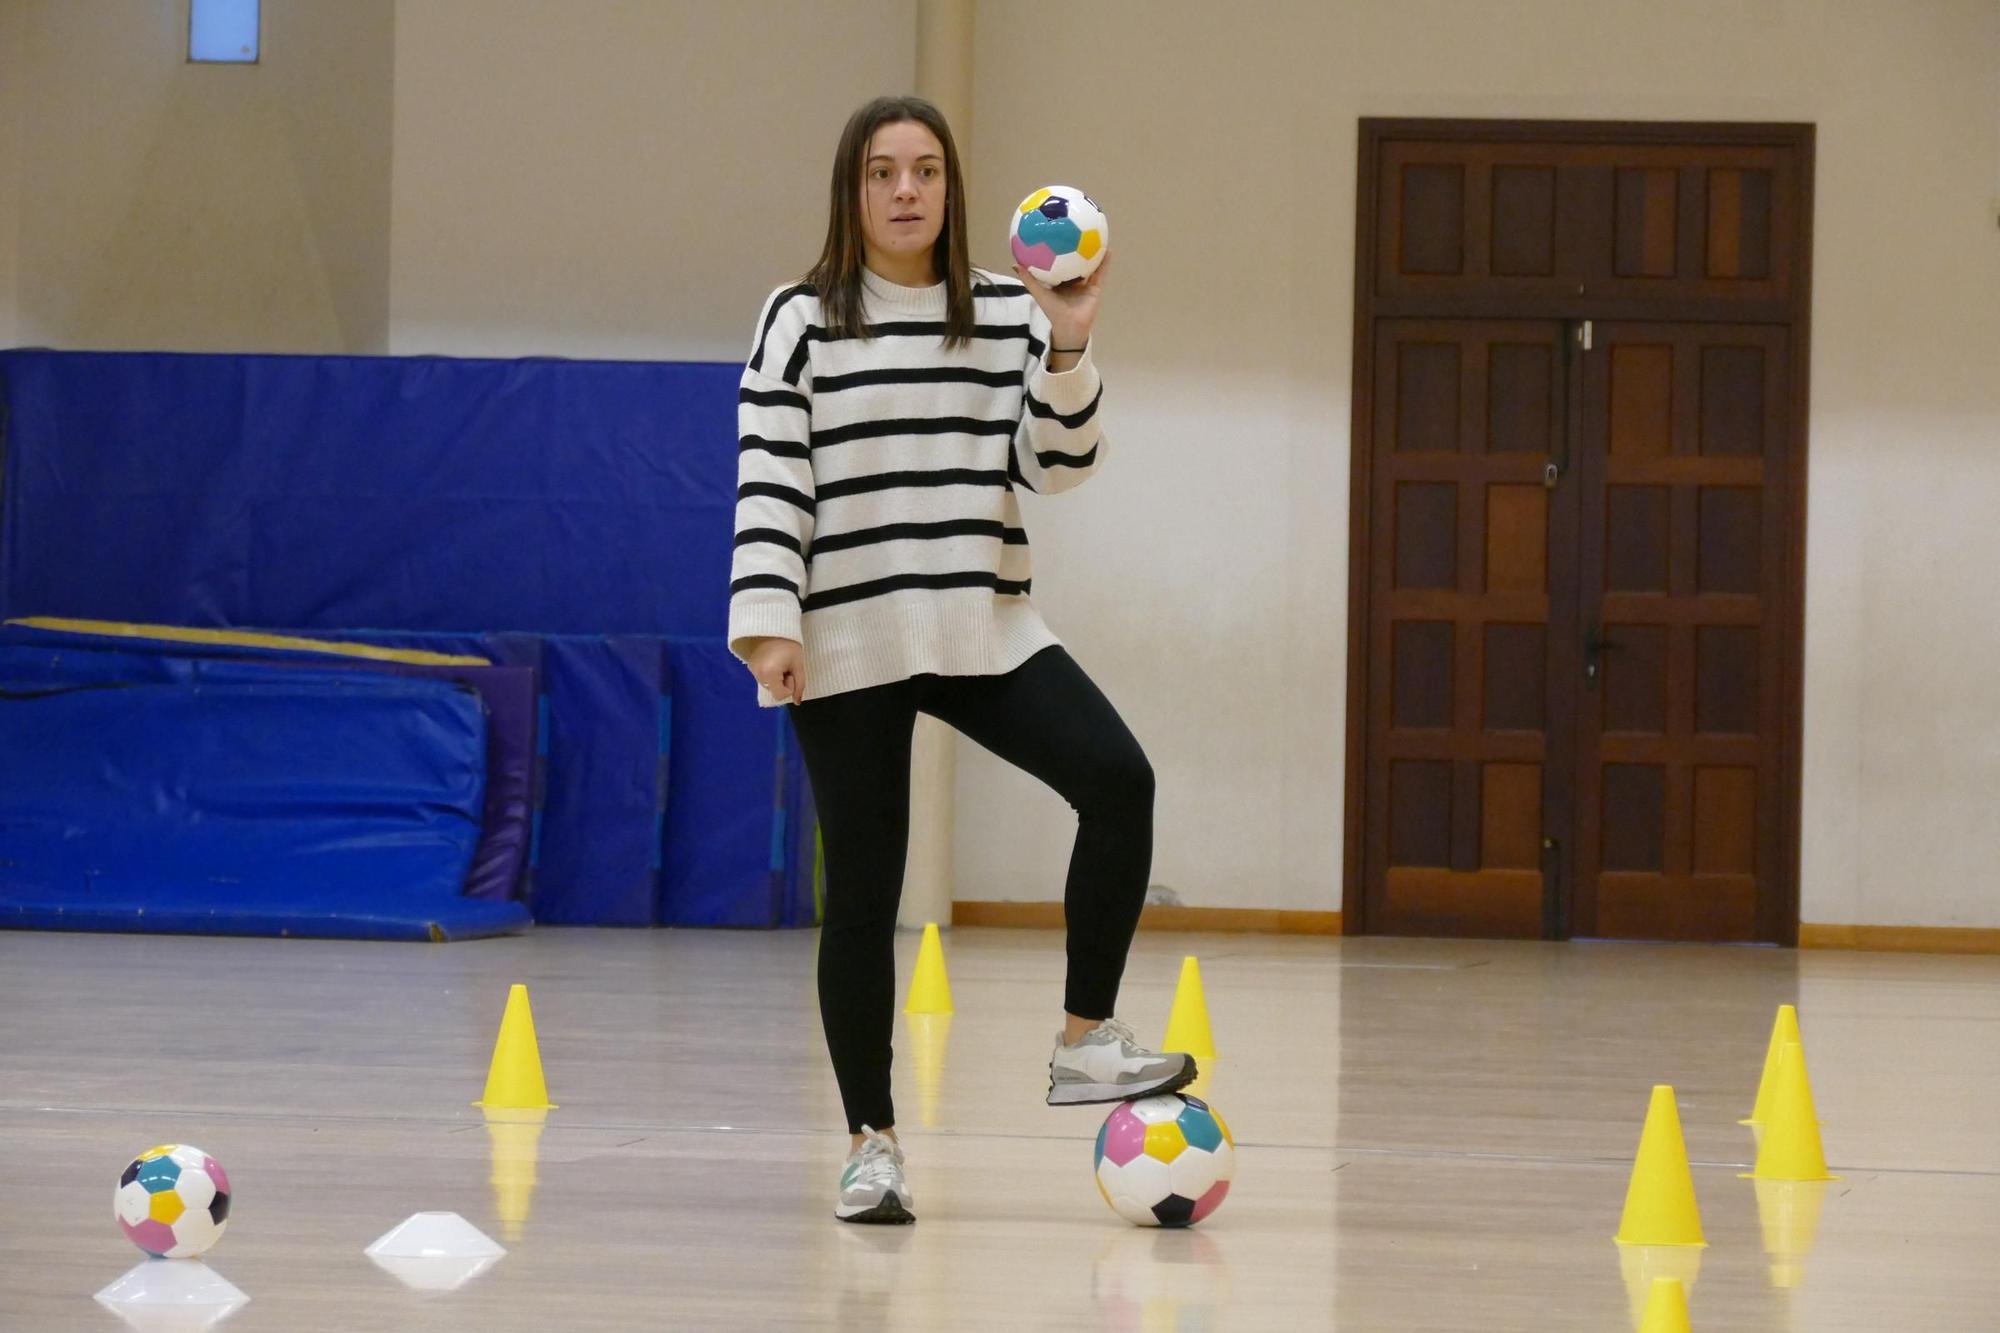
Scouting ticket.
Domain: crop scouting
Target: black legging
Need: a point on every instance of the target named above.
(1045, 717)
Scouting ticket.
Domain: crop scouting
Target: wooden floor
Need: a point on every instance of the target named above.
(1431, 1135)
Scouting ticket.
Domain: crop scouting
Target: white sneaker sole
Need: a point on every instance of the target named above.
(890, 1211)
(1097, 1094)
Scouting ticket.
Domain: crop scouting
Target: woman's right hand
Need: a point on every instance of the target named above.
(780, 667)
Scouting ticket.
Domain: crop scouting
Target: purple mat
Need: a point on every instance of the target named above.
(509, 695)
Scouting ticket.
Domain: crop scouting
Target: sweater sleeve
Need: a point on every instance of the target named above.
(1058, 443)
(774, 477)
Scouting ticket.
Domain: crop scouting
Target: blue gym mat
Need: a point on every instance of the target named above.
(239, 798)
(575, 517)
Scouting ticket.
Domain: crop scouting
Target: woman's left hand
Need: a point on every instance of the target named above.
(1072, 307)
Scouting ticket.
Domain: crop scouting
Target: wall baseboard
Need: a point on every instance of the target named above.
(1229, 920)
(1901, 939)
(1266, 921)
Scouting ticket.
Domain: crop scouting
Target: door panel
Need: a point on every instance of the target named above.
(1681, 474)
(1469, 415)
(1594, 754)
(1714, 223)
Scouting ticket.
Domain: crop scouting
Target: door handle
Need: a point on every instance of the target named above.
(1572, 336)
(1595, 644)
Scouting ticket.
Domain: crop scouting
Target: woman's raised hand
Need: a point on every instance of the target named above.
(1072, 307)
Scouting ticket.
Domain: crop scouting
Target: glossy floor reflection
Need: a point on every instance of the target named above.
(1431, 1135)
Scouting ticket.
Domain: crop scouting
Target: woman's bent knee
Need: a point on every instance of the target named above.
(1121, 785)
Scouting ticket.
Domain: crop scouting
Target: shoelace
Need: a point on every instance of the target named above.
(879, 1160)
(1128, 1040)
(1122, 1031)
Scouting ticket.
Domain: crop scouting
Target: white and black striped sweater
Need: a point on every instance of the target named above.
(876, 520)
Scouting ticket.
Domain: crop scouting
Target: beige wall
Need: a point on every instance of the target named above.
(13, 63)
(1202, 576)
(629, 181)
(205, 207)
(619, 179)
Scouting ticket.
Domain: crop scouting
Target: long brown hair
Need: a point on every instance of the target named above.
(837, 276)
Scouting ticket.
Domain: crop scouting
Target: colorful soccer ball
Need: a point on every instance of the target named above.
(1165, 1161)
(173, 1201)
(1058, 234)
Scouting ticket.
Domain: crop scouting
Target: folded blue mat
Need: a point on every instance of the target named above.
(241, 798)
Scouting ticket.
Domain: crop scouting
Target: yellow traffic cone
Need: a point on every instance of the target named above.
(929, 1034)
(930, 989)
(515, 1146)
(1642, 1265)
(1790, 1148)
(514, 1080)
(1666, 1308)
(1784, 1028)
(1788, 1212)
(1187, 1024)
(1659, 1201)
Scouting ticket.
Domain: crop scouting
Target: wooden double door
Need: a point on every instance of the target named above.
(1575, 632)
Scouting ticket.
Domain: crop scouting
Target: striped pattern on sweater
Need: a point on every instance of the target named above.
(876, 514)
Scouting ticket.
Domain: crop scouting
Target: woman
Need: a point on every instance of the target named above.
(893, 400)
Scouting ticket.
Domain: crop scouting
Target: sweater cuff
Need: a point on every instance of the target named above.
(776, 618)
(1067, 391)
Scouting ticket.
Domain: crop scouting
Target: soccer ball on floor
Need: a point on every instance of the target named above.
(1058, 234)
(173, 1201)
(1164, 1161)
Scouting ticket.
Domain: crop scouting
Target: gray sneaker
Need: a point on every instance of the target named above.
(1108, 1065)
(871, 1186)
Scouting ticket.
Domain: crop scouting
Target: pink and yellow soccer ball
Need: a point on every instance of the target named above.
(1058, 234)
(173, 1201)
(1165, 1161)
